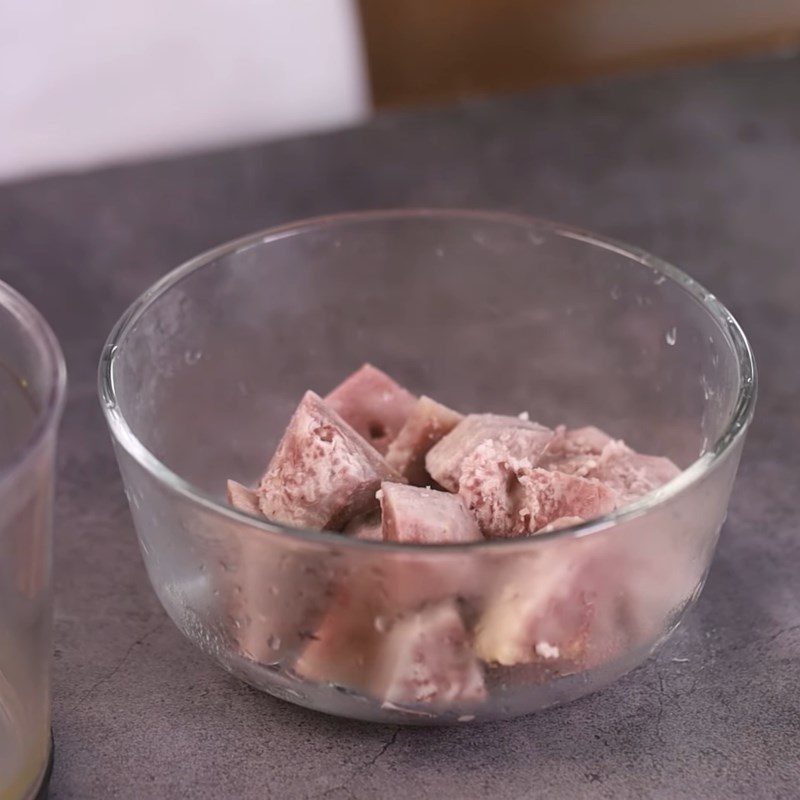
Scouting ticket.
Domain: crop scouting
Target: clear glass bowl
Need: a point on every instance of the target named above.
(32, 386)
(484, 312)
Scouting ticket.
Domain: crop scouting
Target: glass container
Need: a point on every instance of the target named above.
(483, 312)
(32, 385)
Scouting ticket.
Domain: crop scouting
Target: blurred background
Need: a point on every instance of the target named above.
(92, 82)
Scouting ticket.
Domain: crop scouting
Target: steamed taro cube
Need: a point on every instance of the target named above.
(630, 474)
(509, 497)
(367, 528)
(425, 516)
(348, 645)
(373, 404)
(426, 425)
(521, 438)
(243, 499)
(549, 496)
(575, 451)
(270, 601)
(426, 658)
(323, 473)
(579, 603)
(539, 613)
(341, 650)
(591, 453)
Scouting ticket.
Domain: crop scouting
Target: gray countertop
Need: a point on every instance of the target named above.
(701, 167)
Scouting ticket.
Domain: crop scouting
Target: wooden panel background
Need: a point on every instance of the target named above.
(427, 50)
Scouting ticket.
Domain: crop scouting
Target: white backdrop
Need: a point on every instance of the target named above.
(88, 82)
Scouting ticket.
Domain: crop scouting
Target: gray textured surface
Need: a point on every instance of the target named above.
(700, 167)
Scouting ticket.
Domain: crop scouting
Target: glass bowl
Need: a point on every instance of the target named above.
(483, 312)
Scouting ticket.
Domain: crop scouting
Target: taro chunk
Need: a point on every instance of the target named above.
(243, 499)
(590, 453)
(520, 438)
(426, 658)
(373, 404)
(425, 516)
(428, 422)
(511, 498)
(368, 527)
(549, 496)
(539, 614)
(575, 451)
(341, 649)
(631, 474)
(323, 473)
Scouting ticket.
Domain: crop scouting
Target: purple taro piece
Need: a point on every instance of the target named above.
(341, 649)
(427, 424)
(425, 516)
(575, 451)
(375, 405)
(540, 612)
(509, 497)
(243, 499)
(549, 496)
(270, 600)
(591, 453)
(631, 474)
(520, 438)
(426, 658)
(323, 473)
(367, 527)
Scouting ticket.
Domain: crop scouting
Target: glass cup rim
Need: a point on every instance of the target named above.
(736, 426)
(49, 350)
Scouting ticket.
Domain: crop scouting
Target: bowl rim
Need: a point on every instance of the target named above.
(738, 422)
(50, 354)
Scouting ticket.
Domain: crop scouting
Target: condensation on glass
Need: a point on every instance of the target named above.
(32, 382)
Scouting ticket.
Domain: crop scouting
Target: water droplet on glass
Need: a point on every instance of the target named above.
(192, 356)
(671, 336)
(659, 280)
(273, 641)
